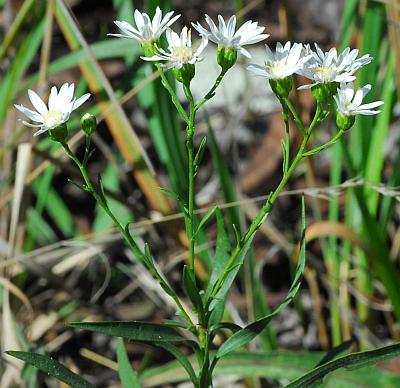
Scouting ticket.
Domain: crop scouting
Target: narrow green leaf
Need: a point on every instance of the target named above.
(199, 154)
(206, 218)
(135, 331)
(336, 351)
(173, 323)
(226, 325)
(127, 375)
(222, 252)
(251, 331)
(182, 359)
(190, 287)
(101, 189)
(170, 194)
(52, 367)
(230, 277)
(352, 361)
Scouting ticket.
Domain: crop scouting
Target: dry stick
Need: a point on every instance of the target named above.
(311, 276)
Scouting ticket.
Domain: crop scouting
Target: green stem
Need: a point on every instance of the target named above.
(174, 97)
(326, 145)
(129, 239)
(190, 130)
(295, 115)
(266, 209)
(211, 92)
(286, 150)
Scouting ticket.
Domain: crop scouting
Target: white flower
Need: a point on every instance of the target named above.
(180, 50)
(330, 67)
(349, 102)
(281, 64)
(146, 31)
(225, 35)
(61, 104)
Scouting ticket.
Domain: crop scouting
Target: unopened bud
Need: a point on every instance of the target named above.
(282, 87)
(323, 93)
(59, 133)
(344, 122)
(88, 124)
(149, 49)
(226, 57)
(185, 74)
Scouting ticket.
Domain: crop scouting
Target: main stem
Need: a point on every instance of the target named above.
(190, 130)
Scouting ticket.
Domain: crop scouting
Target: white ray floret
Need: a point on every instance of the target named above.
(180, 51)
(349, 101)
(147, 30)
(286, 61)
(61, 104)
(225, 35)
(327, 67)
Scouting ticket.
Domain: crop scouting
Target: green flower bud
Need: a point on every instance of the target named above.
(149, 49)
(344, 122)
(226, 57)
(320, 94)
(324, 93)
(88, 123)
(282, 87)
(185, 74)
(59, 133)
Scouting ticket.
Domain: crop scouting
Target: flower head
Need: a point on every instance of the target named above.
(225, 35)
(180, 50)
(286, 61)
(147, 30)
(61, 104)
(349, 102)
(328, 67)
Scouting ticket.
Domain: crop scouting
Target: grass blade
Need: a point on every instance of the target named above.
(127, 375)
(354, 360)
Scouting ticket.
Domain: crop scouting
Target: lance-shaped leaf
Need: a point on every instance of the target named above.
(52, 367)
(199, 155)
(182, 359)
(351, 361)
(190, 287)
(135, 331)
(222, 252)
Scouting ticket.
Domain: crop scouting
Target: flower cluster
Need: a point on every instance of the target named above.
(331, 74)
(180, 51)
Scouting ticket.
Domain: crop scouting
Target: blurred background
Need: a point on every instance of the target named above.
(61, 260)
